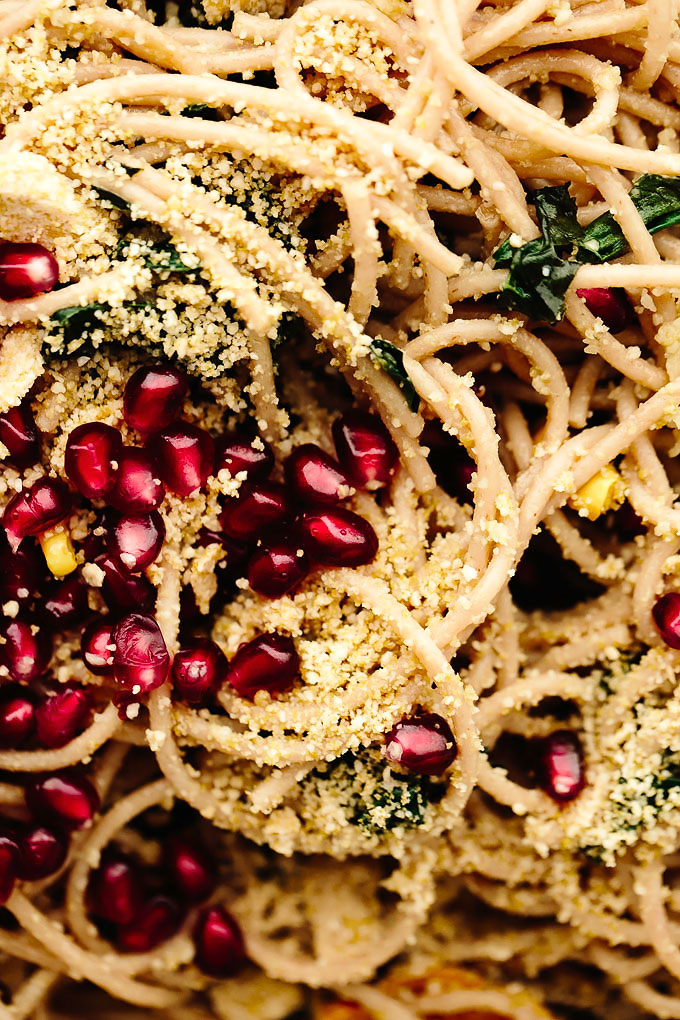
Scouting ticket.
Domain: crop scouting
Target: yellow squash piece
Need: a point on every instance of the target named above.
(602, 492)
(60, 555)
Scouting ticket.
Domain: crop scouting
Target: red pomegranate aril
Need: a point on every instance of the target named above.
(561, 769)
(365, 449)
(140, 660)
(337, 537)
(138, 487)
(42, 851)
(64, 604)
(239, 453)
(153, 397)
(220, 950)
(256, 510)
(116, 890)
(96, 646)
(35, 510)
(25, 654)
(9, 856)
(198, 672)
(191, 868)
(17, 717)
(269, 662)
(423, 744)
(20, 573)
(276, 568)
(92, 458)
(184, 455)
(26, 270)
(124, 591)
(157, 920)
(62, 716)
(19, 434)
(666, 616)
(137, 539)
(609, 304)
(66, 798)
(315, 477)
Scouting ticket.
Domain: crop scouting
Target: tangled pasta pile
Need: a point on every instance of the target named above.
(389, 735)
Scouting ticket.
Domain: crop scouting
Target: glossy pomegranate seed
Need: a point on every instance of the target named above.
(20, 573)
(185, 455)
(121, 590)
(19, 433)
(423, 744)
(365, 449)
(314, 477)
(64, 604)
(192, 869)
(269, 662)
(666, 615)
(17, 716)
(157, 921)
(92, 457)
(62, 716)
(9, 856)
(255, 511)
(66, 798)
(25, 654)
(276, 568)
(42, 851)
(26, 270)
(153, 397)
(116, 889)
(220, 950)
(609, 304)
(198, 672)
(240, 453)
(96, 646)
(138, 488)
(137, 539)
(140, 661)
(561, 769)
(337, 537)
(35, 510)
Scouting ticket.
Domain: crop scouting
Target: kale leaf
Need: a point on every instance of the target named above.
(391, 360)
(656, 198)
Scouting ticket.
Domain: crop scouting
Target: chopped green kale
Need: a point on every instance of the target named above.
(391, 360)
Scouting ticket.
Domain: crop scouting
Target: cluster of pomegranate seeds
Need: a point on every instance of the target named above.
(157, 920)
(220, 951)
(561, 769)
(423, 744)
(20, 436)
(198, 672)
(26, 270)
(609, 304)
(666, 616)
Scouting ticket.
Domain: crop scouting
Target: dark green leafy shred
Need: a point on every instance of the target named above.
(391, 360)
(201, 110)
(656, 198)
(114, 200)
(538, 281)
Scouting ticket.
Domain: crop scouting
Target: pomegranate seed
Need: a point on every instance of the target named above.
(450, 462)
(192, 869)
(35, 510)
(627, 524)
(185, 455)
(365, 449)
(138, 489)
(92, 457)
(42, 851)
(137, 540)
(337, 537)
(66, 798)
(153, 397)
(157, 921)
(96, 646)
(120, 590)
(276, 568)
(65, 604)
(9, 857)
(666, 615)
(423, 744)
(19, 433)
(256, 510)
(239, 453)
(609, 304)
(561, 770)
(314, 477)
(220, 950)
(140, 661)
(116, 889)
(62, 716)
(26, 270)
(269, 662)
(198, 672)
(25, 655)
(17, 717)
(20, 573)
